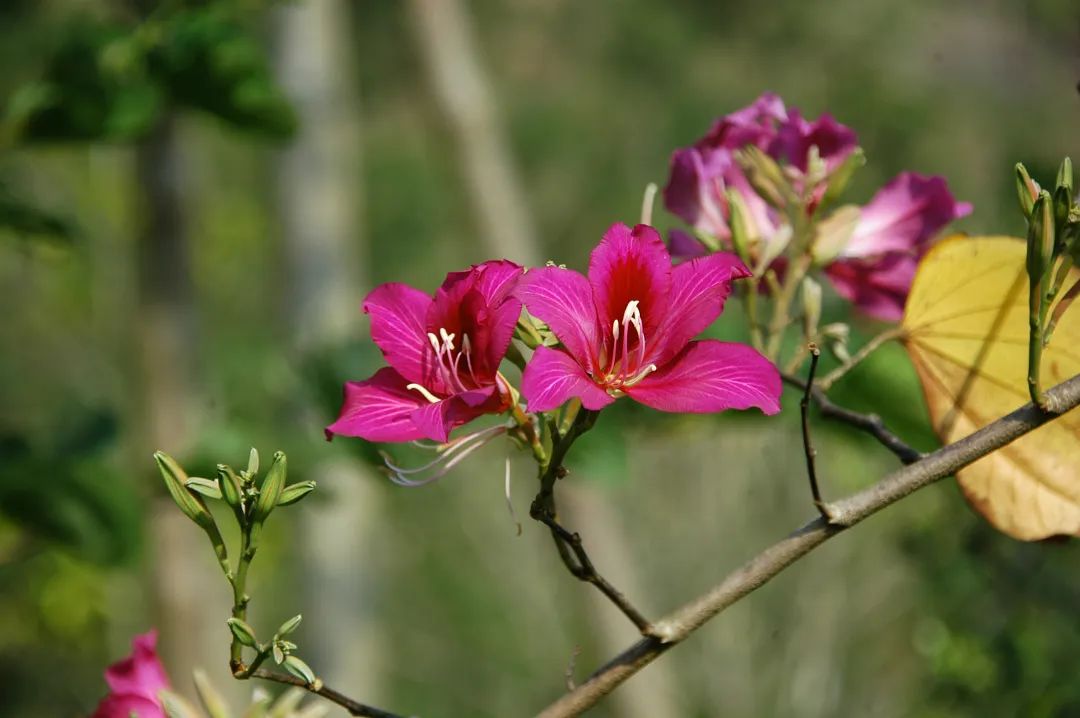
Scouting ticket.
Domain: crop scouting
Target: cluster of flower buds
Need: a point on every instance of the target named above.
(1053, 248)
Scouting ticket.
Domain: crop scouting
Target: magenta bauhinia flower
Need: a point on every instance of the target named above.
(626, 329)
(444, 354)
(876, 265)
(703, 174)
(134, 682)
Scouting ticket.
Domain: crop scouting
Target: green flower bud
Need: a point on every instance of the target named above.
(289, 626)
(176, 482)
(1065, 177)
(1026, 190)
(299, 669)
(231, 490)
(206, 487)
(270, 491)
(243, 632)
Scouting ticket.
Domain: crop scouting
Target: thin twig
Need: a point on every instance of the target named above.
(808, 446)
(582, 569)
(870, 423)
(354, 708)
(568, 543)
(826, 382)
(770, 562)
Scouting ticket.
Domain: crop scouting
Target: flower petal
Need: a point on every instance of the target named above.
(126, 706)
(398, 314)
(436, 421)
(141, 673)
(630, 265)
(379, 409)
(683, 245)
(796, 135)
(711, 376)
(552, 377)
(698, 291)
(904, 216)
(564, 299)
(877, 287)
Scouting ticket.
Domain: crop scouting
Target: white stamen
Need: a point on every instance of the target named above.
(448, 339)
(509, 502)
(423, 392)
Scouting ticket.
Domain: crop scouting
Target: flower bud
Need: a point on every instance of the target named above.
(811, 298)
(1027, 190)
(833, 233)
(289, 626)
(1065, 177)
(243, 632)
(295, 492)
(270, 491)
(231, 490)
(253, 462)
(1040, 246)
(841, 177)
(836, 338)
(742, 233)
(206, 487)
(765, 175)
(176, 482)
(299, 669)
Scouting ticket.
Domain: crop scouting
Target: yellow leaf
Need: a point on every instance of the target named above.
(966, 330)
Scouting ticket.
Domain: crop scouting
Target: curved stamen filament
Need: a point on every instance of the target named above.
(448, 359)
(423, 392)
(453, 454)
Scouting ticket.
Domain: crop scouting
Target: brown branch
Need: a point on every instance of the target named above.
(353, 707)
(870, 423)
(569, 542)
(845, 513)
(808, 446)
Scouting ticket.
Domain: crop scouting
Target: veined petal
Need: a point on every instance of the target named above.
(877, 287)
(564, 300)
(698, 291)
(552, 377)
(904, 216)
(436, 421)
(398, 314)
(710, 376)
(379, 409)
(496, 279)
(630, 265)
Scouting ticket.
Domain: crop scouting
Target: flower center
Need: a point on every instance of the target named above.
(625, 358)
(448, 363)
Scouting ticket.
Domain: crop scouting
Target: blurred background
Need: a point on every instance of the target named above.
(194, 198)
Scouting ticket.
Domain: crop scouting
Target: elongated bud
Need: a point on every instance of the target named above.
(765, 175)
(299, 669)
(205, 487)
(229, 483)
(1026, 190)
(743, 232)
(1040, 229)
(836, 339)
(1065, 177)
(811, 297)
(243, 632)
(295, 492)
(176, 482)
(833, 234)
(270, 491)
(841, 177)
(289, 626)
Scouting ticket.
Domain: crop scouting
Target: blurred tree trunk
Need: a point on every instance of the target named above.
(169, 399)
(318, 184)
(445, 40)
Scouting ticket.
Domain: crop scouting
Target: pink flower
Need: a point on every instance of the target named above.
(444, 354)
(876, 266)
(627, 329)
(134, 683)
(702, 174)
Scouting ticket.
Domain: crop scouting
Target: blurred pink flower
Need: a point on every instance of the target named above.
(134, 682)
(876, 266)
(627, 329)
(701, 175)
(444, 354)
